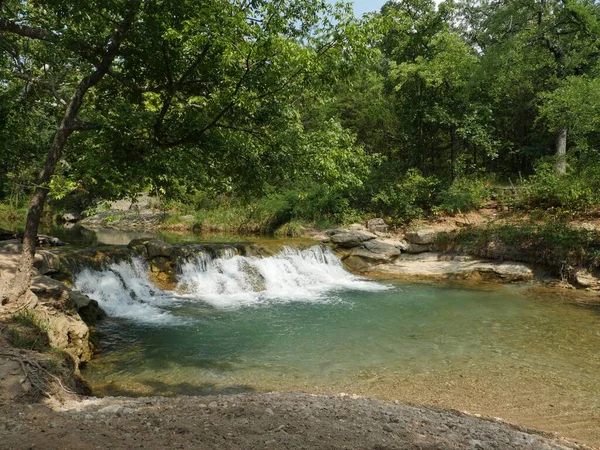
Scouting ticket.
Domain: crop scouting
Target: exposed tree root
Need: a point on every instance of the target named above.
(36, 374)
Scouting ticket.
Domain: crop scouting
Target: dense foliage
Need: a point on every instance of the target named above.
(305, 112)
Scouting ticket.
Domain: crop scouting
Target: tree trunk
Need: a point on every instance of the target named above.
(561, 151)
(454, 149)
(20, 283)
(17, 287)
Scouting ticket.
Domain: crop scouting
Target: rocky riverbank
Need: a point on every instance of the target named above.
(45, 340)
(413, 256)
(258, 421)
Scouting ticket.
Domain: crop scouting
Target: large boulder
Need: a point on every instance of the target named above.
(139, 246)
(415, 249)
(377, 225)
(48, 289)
(380, 251)
(89, 310)
(421, 237)
(67, 332)
(586, 280)
(400, 244)
(370, 254)
(441, 266)
(350, 239)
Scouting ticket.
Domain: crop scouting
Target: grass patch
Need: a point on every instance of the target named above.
(26, 331)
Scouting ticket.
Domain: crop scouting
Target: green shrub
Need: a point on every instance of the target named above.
(577, 191)
(463, 195)
(553, 245)
(293, 228)
(409, 199)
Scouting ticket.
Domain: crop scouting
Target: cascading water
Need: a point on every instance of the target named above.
(292, 275)
(124, 290)
(227, 281)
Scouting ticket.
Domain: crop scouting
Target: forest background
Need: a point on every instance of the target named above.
(269, 114)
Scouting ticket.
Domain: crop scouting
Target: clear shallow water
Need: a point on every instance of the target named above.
(300, 321)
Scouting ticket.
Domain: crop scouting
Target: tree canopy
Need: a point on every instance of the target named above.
(388, 114)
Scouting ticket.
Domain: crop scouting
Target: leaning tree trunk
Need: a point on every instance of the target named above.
(17, 287)
(20, 283)
(561, 151)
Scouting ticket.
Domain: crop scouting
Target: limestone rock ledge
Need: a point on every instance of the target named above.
(62, 313)
(438, 266)
(413, 257)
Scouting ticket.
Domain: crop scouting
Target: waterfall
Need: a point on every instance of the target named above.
(225, 281)
(123, 290)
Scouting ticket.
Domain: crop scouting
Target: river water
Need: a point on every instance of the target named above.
(299, 321)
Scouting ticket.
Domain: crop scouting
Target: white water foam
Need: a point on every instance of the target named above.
(229, 281)
(311, 275)
(124, 290)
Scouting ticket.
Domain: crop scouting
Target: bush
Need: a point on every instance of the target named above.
(284, 212)
(553, 245)
(463, 195)
(575, 192)
(410, 199)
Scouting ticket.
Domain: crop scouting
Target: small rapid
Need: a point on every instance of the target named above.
(311, 275)
(226, 281)
(124, 290)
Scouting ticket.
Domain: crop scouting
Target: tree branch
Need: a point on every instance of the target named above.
(27, 31)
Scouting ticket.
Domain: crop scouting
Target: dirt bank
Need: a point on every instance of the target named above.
(256, 421)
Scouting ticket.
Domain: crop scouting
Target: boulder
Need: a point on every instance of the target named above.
(139, 246)
(370, 254)
(156, 247)
(510, 271)
(350, 239)
(46, 262)
(89, 310)
(442, 266)
(66, 332)
(400, 244)
(47, 288)
(585, 279)
(377, 225)
(44, 240)
(381, 250)
(421, 237)
(415, 249)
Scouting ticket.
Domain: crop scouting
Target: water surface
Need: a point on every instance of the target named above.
(299, 321)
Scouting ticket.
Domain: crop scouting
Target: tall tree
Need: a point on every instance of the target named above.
(70, 121)
(172, 86)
